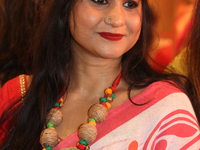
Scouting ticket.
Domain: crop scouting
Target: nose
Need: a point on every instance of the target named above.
(115, 16)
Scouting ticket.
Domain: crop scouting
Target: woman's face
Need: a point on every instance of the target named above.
(96, 35)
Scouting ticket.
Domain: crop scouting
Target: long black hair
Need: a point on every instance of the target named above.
(49, 58)
(18, 18)
(193, 52)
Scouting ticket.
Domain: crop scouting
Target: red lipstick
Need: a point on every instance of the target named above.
(111, 36)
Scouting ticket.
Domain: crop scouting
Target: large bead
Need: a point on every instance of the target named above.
(49, 137)
(54, 116)
(98, 112)
(87, 132)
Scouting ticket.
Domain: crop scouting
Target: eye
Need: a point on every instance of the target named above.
(130, 4)
(100, 2)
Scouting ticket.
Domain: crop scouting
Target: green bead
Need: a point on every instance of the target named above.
(57, 105)
(50, 124)
(113, 95)
(103, 99)
(92, 119)
(48, 148)
(72, 149)
(83, 142)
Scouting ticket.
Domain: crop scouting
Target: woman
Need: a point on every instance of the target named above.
(79, 50)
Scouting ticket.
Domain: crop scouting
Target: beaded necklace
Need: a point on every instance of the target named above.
(87, 132)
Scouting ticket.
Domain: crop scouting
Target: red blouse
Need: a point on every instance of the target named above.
(10, 93)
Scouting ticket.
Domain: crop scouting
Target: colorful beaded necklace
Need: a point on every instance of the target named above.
(87, 132)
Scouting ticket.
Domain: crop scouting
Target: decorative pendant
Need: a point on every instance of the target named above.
(87, 132)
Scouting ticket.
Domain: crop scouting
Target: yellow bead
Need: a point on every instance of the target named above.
(108, 105)
(61, 104)
(93, 123)
(51, 128)
(108, 91)
(109, 99)
(44, 149)
(87, 147)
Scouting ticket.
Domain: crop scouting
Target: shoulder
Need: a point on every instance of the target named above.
(11, 88)
(168, 93)
(166, 98)
(167, 86)
(157, 91)
(16, 86)
(171, 116)
(168, 103)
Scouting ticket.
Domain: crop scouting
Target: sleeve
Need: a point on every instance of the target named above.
(10, 93)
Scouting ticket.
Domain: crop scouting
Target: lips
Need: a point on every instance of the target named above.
(111, 36)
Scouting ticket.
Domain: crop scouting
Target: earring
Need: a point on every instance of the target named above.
(109, 20)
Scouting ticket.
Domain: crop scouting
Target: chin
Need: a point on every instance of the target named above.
(112, 55)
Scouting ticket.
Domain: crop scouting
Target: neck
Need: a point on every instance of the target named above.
(94, 75)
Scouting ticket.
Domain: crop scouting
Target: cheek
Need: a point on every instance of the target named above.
(134, 25)
(135, 21)
(86, 18)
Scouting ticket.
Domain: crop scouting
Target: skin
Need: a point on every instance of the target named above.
(124, 20)
(96, 62)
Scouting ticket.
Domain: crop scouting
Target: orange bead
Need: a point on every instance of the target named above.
(93, 123)
(108, 105)
(61, 100)
(108, 91)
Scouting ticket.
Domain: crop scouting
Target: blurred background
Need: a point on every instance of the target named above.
(174, 18)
